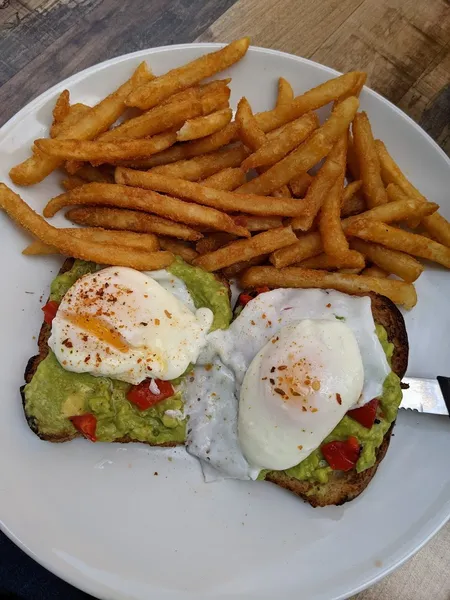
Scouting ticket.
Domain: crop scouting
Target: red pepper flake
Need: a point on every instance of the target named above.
(272, 370)
(157, 322)
(264, 378)
(314, 410)
(339, 399)
(208, 367)
(252, 322)
(167, 313)
(272, 381)
(279, 391)
(328, 305)
(87, 359)
(282, 367)
(300, 447)
(263, 316)
(67, 343)
(304, 409)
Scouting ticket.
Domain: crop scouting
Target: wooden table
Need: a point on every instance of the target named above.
(404, 45)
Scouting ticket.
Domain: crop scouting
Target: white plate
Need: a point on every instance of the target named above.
(98, 516)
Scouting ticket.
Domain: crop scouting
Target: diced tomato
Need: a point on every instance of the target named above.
(50, 310)
(245, 298)
(342, 456)
(144, 398)
(86, 424)
(365, 415)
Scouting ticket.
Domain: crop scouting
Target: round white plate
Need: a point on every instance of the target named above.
(139, 523)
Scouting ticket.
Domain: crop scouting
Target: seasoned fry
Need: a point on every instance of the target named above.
(398, 239)
(249, 132)
(369, 165)
(374, 271)
(214, 95)
(308, 154)
(62, 107)
(219, 199)
(436, 225)
(204, 166)
(94, 122)
(391, 261)
(256, 223)
(227, 179)
(202, 126)
(300, 185)
(181, 78)
(122, 196)
(69, 245)
(323, 261)
(285, 92)
(273, 150)
(239, 267)
(157, 120)
(76, 111)
(178, 248)
(128, 239)
(130, 220)
(352, 202)
(352, 159)
(106, 152)
(214, 241)
(310, 244)
(262, 243)
(296, 277)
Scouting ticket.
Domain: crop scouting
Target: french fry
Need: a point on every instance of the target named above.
(238, 251)
(200, 127)
(352, 159)
(94, 122)
(205, 165)
(62, 107)
(130, 220)
(310, 244)
(128, 239)
(308, 154)
(353, 203)
(219, 199)
(69, 245)
(157, 120)
(227, 179)
(178, 248)
(391, 261)
(122, 196)
(234, 270)
(369, 164)
(374, 271)
(214, 95)
(283, 192)
(249, 132)
(255, 223)
(214, 241)
(76, 111)
(323, 261)
(95, 174)
(333, 237)
(398, 239)
(436, 225)
(273, 150)
(106, 152)
(285, 92)
(300, 184)
(148, 96)
(72, 182)
(296, 277)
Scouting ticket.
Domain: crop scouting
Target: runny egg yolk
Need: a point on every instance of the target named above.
(98, 328)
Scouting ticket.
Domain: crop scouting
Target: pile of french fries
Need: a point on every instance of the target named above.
(275, 198)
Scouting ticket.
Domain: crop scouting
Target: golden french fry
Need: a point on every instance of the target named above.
(62, 107)
(76, 111)
(283, 192)
(285, 92)
(369, 164)
(296, 277)
(106, 152)
(214, 241)
(128, 239)
(99, 175)
(323, 261)
(310, 244)
(94, 122)
(122, 196)
(214, 95)
(300, 184)
(69, 245)
(391, 261)
(239, 267)
(238, 251)
(227, 179)
(257, 223)
(200, 127)
(179, 248)
(436, 225)
(219, 199)
(273, 150)
(204, 165)
(397, 239)
(353, 203)
(308, 154)
(248, 129)
(157, 120)
(374, 271)
(352, 159)
(130, 220)
(72, 182)
(148, 96)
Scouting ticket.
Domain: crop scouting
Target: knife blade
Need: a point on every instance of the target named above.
(427, 395)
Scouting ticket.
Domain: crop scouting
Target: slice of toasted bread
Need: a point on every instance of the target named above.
(343, 487)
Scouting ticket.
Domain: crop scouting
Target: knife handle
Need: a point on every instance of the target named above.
(444, 384)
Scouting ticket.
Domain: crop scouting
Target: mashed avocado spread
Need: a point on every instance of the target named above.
(55, 394)
(315, 468)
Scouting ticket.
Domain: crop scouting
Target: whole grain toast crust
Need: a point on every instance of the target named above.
(343, 487)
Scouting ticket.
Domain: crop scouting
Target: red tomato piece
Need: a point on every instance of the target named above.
(85, 424)
(245, 298)
(144, 398)
(342, 456)
(50, 310)
(365, 415)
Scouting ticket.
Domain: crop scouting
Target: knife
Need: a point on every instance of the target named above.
(427, 395)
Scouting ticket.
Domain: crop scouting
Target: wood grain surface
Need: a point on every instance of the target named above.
(404, 45)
